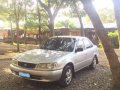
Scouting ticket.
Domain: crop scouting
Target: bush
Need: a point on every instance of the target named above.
(100, 44)
(114, 38)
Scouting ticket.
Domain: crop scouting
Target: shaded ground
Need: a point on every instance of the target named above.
(86, 79)
(6, 48)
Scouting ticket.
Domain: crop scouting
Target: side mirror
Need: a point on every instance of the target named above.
(79, 49)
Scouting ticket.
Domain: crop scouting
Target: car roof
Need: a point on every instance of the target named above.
(76, 37)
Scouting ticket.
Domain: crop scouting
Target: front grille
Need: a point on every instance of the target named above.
(35, 77)
(26, 65)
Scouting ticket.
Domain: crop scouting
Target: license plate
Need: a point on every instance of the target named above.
(23, 74)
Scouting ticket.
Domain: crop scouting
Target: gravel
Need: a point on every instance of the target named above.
(86, 79)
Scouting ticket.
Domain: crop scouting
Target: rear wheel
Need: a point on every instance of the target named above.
(67, 76)
(94, 63)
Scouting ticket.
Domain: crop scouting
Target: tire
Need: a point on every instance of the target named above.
(94, 63)
(67, 76)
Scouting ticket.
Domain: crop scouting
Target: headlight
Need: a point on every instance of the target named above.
(46, 66)
(14, 62)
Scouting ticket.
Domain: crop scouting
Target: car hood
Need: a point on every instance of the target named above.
(41, 56)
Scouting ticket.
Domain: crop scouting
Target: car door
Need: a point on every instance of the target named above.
(88, 50)
(80, 56)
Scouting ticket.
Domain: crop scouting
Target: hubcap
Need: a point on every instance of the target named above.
(94, 62)
(68, 76)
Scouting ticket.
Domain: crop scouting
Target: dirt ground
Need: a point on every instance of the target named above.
(7, 48)
(86, 79)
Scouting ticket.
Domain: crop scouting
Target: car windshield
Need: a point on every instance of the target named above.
(59, 44)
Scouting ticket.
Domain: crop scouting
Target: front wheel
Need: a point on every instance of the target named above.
(67, 76)
(94, 63)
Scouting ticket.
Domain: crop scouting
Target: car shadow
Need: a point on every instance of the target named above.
(55, 85)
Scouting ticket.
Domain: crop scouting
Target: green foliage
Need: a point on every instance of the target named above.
(114, 38)
(107, 15)
(100, 45)
(66, 24)
(113, 34)
(76, 5)
(71, 24)
(5, 10)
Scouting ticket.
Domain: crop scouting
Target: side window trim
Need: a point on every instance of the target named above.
(90, 43)
(83, 45)
(89, 46)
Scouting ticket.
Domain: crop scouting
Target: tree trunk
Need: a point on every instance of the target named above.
(82, 33)
(25, 39)
(25, 27)
(11, 34)
(51, 26)
(80, 19)
(108, 49)
(116, 4)
(17, 23)
(82, 29)
(17, 27)
(39, 26)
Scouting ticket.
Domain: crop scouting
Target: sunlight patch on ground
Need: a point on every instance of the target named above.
(7, 70)
(12, 53)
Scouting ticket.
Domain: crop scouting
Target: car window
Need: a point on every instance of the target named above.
(59, 44)
(80, 44)
(87, 43)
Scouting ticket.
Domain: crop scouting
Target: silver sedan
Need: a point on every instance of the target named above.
(57, 60)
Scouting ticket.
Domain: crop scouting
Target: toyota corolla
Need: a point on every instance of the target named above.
(57, 60)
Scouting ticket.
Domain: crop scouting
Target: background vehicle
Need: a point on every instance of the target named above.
(57, 60)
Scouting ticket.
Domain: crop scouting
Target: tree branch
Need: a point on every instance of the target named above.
(19, 8)
(79, 17)
(49, 5)
(45, 7)
(58, 8)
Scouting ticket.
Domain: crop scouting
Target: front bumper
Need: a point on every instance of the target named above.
(44, 76)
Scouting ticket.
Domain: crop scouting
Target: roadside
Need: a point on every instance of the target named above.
(86, 79)
(8, 51)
